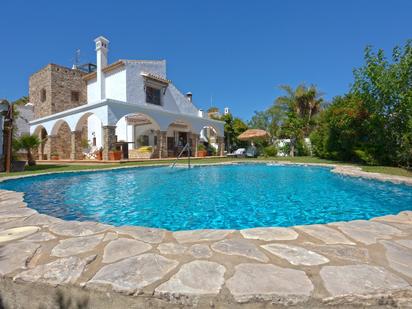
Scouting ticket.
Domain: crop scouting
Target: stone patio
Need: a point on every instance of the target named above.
(45, 261)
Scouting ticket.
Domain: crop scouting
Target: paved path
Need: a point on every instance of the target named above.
(355, 263)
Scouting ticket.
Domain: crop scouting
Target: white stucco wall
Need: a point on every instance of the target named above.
(92, 91)
(126, 84)
(173, 100)
(135, 82)
(116, 85)
(121, 131)
(94, 125)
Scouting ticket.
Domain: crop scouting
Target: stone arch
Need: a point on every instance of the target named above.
(60, 140)
(56, 126)
(41, 132)
(208, 136)
(89, 127)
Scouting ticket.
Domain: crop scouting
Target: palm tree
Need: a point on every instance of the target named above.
(304, 101)
(27, 142)
(299, 105)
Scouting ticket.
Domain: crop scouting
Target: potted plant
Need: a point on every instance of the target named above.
(115, 154)
(201, 151)
(54, 156)
(17, 165)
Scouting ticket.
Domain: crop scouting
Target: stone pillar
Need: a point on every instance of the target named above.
(40, 148)
(51, 146)
(162, 140)
(195, 143)
(109, 138)
(221, 146)
(76, 138)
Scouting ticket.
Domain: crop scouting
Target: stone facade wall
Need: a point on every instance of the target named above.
(162, 144)
(38, 81)
(221, 146)
(58, 83)
(76, 145)
(63, 142)
(109, 138)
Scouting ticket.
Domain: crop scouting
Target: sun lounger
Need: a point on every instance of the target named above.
(238, 153)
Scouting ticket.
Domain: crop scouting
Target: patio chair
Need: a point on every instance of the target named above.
(239, 153)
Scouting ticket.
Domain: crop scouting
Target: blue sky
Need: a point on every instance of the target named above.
(237, 52)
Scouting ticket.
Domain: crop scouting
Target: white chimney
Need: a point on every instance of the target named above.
(189, 96)
(200, 113)
(101, 61)
(227, 110)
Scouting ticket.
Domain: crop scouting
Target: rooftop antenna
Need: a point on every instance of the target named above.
(76, 59)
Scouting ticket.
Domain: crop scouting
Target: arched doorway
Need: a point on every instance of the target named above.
(142, 135)
(90, 127)
(178, 134)
(208, 137)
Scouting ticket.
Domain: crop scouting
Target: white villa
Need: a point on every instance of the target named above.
(129, 101)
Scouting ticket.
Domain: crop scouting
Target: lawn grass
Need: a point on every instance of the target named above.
(47, 168)
(388, 170)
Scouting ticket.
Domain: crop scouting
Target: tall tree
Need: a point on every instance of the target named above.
(373, 123)
(300, 105)
(304, 102)
(233, 128)
(268, 120)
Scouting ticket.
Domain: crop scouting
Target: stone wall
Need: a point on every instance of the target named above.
(63, 142)
(38, 81)
(58, 82)
(109, 138)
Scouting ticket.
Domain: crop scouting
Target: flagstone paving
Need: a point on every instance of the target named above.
(269, 282)
(78, 245)
(16, 233)
(360, 280)
(270, 233)
(122, 248)
(357, 263)
(194, 279)
(325, 234)
(240, 247)
(200, 251)
(296, 255)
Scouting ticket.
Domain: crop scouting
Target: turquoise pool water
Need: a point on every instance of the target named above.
(227, 197)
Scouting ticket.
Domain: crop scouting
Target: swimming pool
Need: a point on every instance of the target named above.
(222, 197)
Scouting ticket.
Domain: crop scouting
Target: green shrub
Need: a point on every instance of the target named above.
(211, 150)
(365, 157)
(270, 151)
(302, 149)
(201, 147)
(28, 143)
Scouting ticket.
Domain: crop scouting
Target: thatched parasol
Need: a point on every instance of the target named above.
(252, 134)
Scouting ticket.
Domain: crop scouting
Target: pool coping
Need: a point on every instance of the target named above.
(45, 254)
